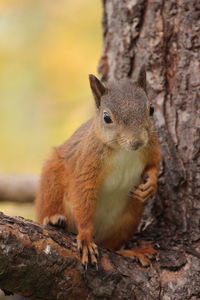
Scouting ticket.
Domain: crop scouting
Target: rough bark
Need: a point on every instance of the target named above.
(165, 35)
(18, 187)
(42, 263)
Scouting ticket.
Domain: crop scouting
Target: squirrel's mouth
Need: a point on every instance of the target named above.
(136, 145)
(133, 146)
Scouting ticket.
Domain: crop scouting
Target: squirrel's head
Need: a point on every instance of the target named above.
(124, 113)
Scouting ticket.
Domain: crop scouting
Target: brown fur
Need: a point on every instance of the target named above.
(74, 172)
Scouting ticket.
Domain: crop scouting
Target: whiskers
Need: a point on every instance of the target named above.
(124, 142)
(118, 140)
(127, 143)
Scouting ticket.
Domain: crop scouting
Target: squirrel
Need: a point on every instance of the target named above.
(97, 182)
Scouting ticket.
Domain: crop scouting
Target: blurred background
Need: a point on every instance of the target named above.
(47, 50)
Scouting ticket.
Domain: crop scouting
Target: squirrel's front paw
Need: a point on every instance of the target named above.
(56, 220)
(144, 191)
(88, 249)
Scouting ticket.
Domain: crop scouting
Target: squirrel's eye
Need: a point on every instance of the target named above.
(151, 110)
(107, 118)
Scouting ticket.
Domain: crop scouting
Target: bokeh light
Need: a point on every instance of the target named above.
(47, 50)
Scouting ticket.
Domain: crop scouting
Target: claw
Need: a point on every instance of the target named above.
(85, 265)
(95, 264)
(88, 251)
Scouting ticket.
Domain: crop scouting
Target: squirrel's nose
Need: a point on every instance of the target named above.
(136, 145)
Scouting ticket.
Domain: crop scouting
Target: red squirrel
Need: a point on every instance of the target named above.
(94, 182)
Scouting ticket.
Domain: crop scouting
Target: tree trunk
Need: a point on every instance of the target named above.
(165, 35)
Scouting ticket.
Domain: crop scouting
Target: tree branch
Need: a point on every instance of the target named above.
(18, 187)
(42, 263)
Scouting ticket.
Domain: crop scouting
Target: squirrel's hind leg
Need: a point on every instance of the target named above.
(142, 254)
(50, 207)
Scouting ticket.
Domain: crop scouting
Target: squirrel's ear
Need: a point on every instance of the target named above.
(142, 78)
(98, 89)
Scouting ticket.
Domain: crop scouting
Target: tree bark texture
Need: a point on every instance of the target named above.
(165, 35)
(43, 263)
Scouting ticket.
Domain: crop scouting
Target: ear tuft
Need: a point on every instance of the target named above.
(142, 78)
(98, 89)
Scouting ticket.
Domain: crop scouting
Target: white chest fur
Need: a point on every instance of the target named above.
(126, 170)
